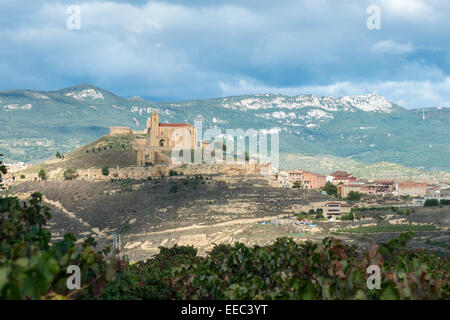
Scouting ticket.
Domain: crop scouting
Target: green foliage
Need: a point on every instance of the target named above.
(431, 203)
(42, 174)
(349, 216)
(125, 185)
(296, 185)
(31, 268)
(2, 168)
(70, 174)
(288, 270)
(354, 196)
(330, 189)
(174, 173)
(390, 228)
(445, 202)
(58, 155)
(105, 170)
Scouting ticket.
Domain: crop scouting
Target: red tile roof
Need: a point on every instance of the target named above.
(175, 125)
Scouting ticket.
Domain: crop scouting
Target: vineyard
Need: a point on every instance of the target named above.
(31, 267)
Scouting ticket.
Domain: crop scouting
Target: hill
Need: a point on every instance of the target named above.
(378, 170)
(366, 128)
(112, 151)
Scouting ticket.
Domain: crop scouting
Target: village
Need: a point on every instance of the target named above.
(349, 187)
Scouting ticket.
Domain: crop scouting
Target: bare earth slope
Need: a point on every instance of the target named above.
(212, 210)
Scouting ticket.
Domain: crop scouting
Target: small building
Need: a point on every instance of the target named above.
(316, 181)
(341, 177)
(336, 208)
(304, 179)
(410, 188)
(441, 194)
(345, 189)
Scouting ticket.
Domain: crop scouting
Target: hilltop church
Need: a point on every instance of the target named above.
(158, 139)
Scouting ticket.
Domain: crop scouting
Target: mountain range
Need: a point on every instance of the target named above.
(367, 128)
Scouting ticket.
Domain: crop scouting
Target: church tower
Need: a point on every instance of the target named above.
(153, 129)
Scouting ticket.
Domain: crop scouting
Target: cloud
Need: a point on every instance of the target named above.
(391, 47)
(172, 50)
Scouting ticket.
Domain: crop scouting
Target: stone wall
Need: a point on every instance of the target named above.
(139, 172)
(121, 130)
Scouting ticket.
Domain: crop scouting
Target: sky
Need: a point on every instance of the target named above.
(181, 49)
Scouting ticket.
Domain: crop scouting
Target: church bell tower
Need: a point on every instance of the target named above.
(153, 129)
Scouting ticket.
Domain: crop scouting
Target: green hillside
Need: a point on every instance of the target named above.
(112, 151)
(368, 128)
(380, 170)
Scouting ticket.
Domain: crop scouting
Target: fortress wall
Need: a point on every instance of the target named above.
(95, 174)
(121, 130)
(229, 169)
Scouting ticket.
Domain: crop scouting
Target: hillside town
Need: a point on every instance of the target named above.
(347, 184)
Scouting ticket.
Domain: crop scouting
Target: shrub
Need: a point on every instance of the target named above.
(445, 202)
(349, 216)
(330, 189)
(289, 270)
(70, 174)
(105, 170)
(354, 196)
(42, 174)
(31, 268)
(431, 203)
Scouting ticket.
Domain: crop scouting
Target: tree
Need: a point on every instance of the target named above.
(105, 170)
(70, 174)
(58, 155)
(296, 184)
(431, 203)
(42, 174)
(330, 189)
(354, 196)
(2, 168)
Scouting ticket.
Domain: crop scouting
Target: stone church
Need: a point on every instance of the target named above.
(155, 142)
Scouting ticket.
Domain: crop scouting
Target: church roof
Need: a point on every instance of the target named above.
(175, 125)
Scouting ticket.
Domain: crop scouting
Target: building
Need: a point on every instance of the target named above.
(288, 177)
(153, 143)
(316, 181)
(304, 179)
(344, 189)
(441, 194)
(336, 208)
(378, 188)
(339, 176)
(409, 188)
